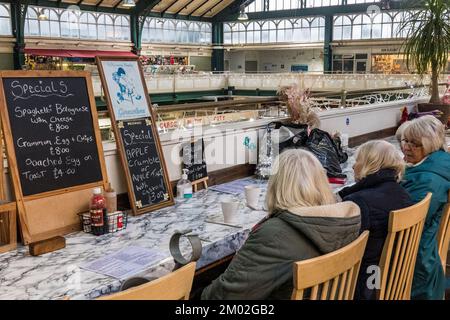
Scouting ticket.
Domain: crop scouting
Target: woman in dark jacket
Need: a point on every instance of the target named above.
(378, 168)
(304, 221)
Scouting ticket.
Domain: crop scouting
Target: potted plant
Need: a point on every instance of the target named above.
(427, 46)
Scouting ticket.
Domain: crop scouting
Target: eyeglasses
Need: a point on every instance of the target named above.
(411, 144)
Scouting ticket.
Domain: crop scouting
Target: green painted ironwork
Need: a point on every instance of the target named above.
(18, 14)
(327, 48)
(217, 58)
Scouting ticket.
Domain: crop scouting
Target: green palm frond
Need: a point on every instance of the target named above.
(427, 33)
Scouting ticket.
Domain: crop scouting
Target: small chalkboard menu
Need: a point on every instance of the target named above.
(144, 164)
(53, 143)
(194, 160)
(133, 122)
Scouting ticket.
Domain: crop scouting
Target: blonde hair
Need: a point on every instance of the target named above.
(427, 131)
(299, 180)
(375, 155)
(399, 132)
(313, 120)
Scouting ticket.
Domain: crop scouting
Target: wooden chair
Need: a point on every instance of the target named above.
(443, 237)
(331, 276)
(174, 286)
(398, 258)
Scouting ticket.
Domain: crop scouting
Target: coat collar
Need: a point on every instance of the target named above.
(383, 175)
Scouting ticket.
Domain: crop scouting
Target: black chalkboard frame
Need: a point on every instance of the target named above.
(67, 200)
(121, 148)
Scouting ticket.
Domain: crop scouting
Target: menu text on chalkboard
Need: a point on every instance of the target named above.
(194, 160)
(52, 132)
(144, 163)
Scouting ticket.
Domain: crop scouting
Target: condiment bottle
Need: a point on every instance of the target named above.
(111, 199)
(96, 209)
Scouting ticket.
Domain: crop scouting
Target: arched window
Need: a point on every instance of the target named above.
(386, 30)
(70, 24)
(182, 32)
(32, 22)
(169, 31)
(88, 26)
(342, 28)
(109, 27)
(5, 20)
(122, 28)
(227, 33)
(367, 25)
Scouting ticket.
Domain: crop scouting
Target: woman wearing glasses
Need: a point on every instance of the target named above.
(428, 170)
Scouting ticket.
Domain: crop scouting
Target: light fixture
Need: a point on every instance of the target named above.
(242, 15)
(128, 3)
(42, 16)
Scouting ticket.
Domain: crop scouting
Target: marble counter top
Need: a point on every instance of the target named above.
(58, 274)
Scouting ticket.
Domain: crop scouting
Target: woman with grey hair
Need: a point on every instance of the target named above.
(304, 222)
(428, 170)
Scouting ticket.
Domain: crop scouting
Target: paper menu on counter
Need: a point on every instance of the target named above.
(237, 186)
(126, 262)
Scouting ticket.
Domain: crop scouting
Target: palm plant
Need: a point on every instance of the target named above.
(427, 42)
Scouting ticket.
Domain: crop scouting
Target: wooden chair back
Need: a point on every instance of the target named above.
(398, 258)
(174, 286)
(331, 276)
(443, 238)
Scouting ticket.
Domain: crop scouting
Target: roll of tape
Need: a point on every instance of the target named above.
(174, 246)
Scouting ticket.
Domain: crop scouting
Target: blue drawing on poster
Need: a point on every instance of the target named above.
(126, 87)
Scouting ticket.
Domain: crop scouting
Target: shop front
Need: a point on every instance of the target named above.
(357, 57)
(66, 59)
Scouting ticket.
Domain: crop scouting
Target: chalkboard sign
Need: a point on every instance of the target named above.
(53, 147)
(133, 122)
(194, 160)
(53, 135)
(144, 164)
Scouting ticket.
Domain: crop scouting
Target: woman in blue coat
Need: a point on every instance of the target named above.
(378, 168)
(428, 170)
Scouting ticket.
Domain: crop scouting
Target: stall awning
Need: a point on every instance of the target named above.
(77, 53)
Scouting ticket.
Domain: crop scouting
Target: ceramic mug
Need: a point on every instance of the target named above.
(230, 211)
(252, 193)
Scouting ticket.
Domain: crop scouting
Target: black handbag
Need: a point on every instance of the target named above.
(326, 149)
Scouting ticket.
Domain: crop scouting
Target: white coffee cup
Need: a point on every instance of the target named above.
(229, 210)
(252, 193)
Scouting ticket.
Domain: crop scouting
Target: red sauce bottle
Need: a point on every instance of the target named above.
(96, 208)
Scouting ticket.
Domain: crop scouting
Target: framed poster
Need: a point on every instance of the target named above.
(125, 88)
(138, 143)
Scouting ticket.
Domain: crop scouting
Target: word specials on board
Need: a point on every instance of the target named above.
(25, 91)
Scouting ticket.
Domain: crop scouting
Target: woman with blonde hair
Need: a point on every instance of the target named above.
(378, 169)
(428, 170)
(304, 221)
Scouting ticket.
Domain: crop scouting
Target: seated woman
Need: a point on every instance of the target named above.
(378, 168)
(304, 221)
(428, 170)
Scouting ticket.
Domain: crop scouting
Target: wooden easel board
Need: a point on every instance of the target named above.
(54, 148)
(133, 121)
(8, 211)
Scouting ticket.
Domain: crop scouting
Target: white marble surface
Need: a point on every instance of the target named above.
(57, 275)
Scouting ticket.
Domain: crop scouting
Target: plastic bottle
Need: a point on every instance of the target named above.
(97, 209)
(184, 186)
(111, 199)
